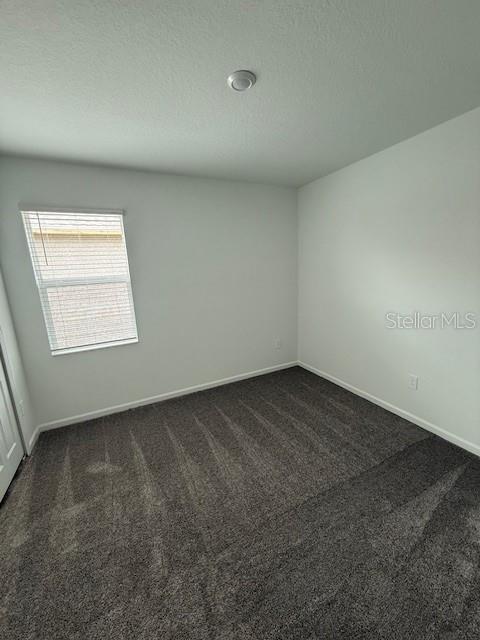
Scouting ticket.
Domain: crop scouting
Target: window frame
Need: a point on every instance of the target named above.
(44, 283)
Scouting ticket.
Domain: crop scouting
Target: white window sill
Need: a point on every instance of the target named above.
(92, 347)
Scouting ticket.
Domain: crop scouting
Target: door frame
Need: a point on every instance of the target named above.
(3, 364)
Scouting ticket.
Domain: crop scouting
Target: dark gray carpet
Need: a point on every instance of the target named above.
(279, 507)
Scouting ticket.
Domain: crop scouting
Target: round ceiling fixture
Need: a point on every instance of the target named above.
(241, 80)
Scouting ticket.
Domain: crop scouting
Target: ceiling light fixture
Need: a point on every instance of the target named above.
(241, 80)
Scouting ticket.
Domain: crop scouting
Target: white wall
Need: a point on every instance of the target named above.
(15, 370)
(399, 231)
(213, 267)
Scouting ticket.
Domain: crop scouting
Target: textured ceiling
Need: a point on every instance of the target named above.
(143, 83)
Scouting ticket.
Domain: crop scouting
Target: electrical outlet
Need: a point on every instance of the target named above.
(277, 344)
(413, 381)
(21, 409)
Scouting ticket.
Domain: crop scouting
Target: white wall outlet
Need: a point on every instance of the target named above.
(413, 381)
(277, 344)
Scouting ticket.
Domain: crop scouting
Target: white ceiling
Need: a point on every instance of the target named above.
(143, 83)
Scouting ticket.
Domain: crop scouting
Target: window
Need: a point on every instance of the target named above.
(81, 268)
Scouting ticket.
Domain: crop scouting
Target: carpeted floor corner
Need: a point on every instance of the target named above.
(281, 507)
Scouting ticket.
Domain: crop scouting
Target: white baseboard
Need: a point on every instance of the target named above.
(425, 424)
(433, 428)
(90, 415)
(33, 440)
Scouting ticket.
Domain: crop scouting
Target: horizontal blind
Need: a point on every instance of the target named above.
(81, 269)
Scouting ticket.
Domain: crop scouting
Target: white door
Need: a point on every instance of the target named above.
(11, 450)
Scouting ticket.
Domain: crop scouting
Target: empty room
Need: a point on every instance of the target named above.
(239, 320)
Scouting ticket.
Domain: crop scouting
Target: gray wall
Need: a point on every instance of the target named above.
(213, 267)
(399, 231)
